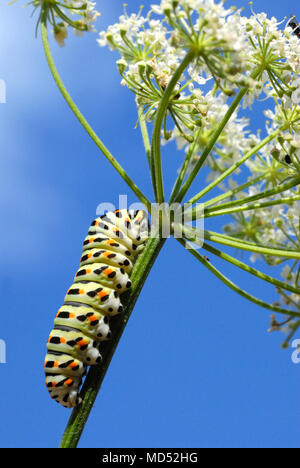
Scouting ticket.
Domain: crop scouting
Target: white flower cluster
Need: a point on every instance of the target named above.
(80, 15)
(149, 58)
(256, 56)
(234, 141)
(274, 226)
(152, 50)
(228, 55)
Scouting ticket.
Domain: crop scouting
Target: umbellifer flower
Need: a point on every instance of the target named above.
(77, 14)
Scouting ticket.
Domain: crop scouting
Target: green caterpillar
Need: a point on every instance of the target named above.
(110, 249)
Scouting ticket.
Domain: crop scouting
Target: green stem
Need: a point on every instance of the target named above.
(249, 269)
(235, 243)
(156, 137)
(96, 374)
(81, 118)
(235, 166)
(234, 191)
(197, 235)
(211, 144)
(236, 239)
(184, 168)
(147, 144)
(254, 206)
(267, 194)
(234, 287)
(228, 207)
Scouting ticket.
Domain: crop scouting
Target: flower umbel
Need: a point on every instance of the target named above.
(60, 14)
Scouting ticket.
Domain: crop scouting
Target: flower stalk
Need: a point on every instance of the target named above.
(161, 112)
(82, 119)
(234, 287)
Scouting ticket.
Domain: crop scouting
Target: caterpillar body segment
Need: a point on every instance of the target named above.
(110, 250)
(92, 323)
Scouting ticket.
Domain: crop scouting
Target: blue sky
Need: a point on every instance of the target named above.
(196, 366)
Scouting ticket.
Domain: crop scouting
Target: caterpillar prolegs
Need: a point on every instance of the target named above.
(110, 250)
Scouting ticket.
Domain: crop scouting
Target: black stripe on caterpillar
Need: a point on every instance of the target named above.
(110, 250)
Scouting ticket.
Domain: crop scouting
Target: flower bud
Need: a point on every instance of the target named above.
(123, 31)
(142, 68)
(60, 34)
(167, 8)
(122, 65)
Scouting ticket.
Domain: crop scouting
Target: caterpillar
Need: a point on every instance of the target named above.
(110, 250)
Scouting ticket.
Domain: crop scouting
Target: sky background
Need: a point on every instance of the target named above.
(196, 366)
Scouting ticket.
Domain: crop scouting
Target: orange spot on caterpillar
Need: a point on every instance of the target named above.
(62, 340)
(73, 364)
(103, 293)
(82, 342)
(106, 253)
(93, 318)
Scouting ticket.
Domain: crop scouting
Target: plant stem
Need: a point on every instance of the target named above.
(185, 166)
(81, 118)
(249, 269)
(228, 207)
(235, 166)
(235, 287)
(253, 206)
(253, 198)
(196, 235)
(156, 137)
(96, 374)
(211, 144)
(257, 248)
(147, 144)
(234, 191)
